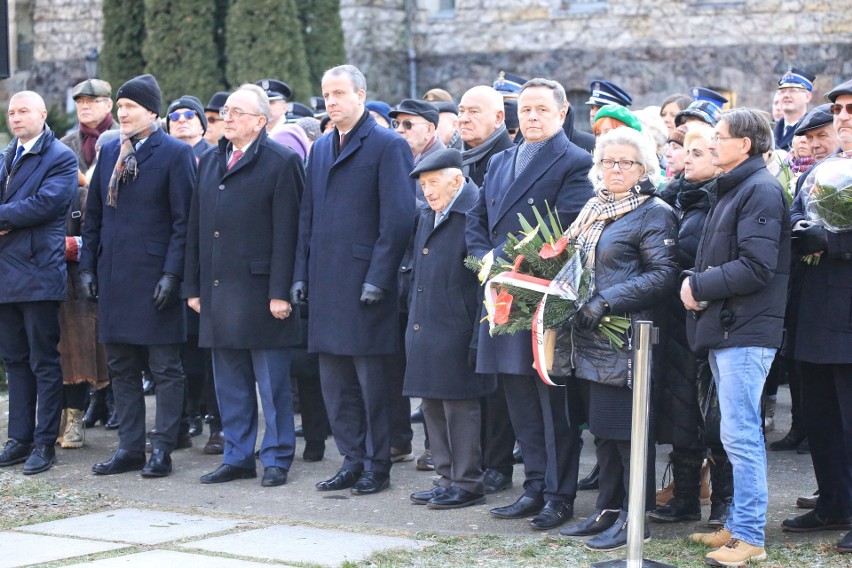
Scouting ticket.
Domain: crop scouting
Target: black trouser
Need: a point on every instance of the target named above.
(827, 414)
(498, 436)
(401, 432)
(305, 369)
(75, 396)
(614, 479)
(29, 339)
(125, 363)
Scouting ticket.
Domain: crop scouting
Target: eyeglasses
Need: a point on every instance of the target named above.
(187, 114)
(622, 164)
(715, 138)
(90, 100)
(406, 124)
(237, 114)
(837, 109)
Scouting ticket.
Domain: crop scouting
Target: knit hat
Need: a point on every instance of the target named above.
(191, 103)
(678, 134)
(143, 90)
(621, 114)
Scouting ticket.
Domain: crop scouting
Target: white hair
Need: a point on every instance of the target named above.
(645, 151)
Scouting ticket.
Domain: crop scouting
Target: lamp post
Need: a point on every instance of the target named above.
(91, 63)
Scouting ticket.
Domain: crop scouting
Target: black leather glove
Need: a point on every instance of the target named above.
(808, 238)
(299, 293)
(590, 314)
(167, 291)
(89, 284)
(371, 294)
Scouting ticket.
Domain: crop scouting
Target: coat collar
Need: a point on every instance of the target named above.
(146, 150)
(739, 174)
(354, 139)
(245, 160)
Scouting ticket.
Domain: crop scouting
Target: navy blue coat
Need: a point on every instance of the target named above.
(558, 174)
(133, 244)
(356, 218)
(241, 245)
(34, 196)
(443, 309)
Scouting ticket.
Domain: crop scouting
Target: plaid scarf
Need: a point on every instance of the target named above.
(126, 165)
(599, 211)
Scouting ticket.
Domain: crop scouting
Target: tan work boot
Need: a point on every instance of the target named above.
(63, 421)
(713, 539)
(74, 431)
(666, 494)
(735, 552)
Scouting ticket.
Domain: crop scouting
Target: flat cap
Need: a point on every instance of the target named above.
(841, 89)
(442, 159)
(796, 79)
(91, 88)
(606, 93)
(709, 95)
(217, 101)
(621, 114)
(446, 106)
(819, 116)
(276, 90)
(416, 107)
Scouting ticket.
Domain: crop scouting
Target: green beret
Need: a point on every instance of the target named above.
(620, 113)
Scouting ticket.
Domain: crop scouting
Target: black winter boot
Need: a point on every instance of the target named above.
(112, 423)
(722, 482)
(97, 410)
(685, 505)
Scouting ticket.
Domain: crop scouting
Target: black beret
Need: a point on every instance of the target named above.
(217, 101)
(191, 103)
(418, 108)
(819, 116)
(841, 89)
(446, 106)
(276, 90)
(442, 159)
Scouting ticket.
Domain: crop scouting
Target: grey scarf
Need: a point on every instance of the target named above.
(474, 155)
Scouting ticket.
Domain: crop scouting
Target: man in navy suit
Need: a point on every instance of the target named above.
(356, 218)
(132, 263)
(546, 167)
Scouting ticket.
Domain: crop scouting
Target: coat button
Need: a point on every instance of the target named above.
(216, 234)
(420, 288)
(425, 251)
(222, 186)
(530, 201)
(416, 327)
(403, 267)
(215, 282)
(493, 201)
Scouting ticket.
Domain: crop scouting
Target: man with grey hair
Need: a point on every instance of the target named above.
(356, 218)
(545, 168)
(241, 246)
(736, 294)
(483, 130)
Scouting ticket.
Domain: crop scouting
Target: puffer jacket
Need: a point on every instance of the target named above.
(635, 269)
(743, 263)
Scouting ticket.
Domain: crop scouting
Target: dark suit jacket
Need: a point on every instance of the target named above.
(557, 175)
(356, 218)
(444, 308)
(133, 244)
(241, 245)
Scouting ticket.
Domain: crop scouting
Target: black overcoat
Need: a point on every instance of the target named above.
(443, 309)
(241, 245)
(556, 175)
(133, 244)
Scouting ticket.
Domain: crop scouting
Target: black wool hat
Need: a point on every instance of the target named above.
(143, 90)
(191, 103)
(446, 158)
(217, 101)
(818, 117)
(418, 108)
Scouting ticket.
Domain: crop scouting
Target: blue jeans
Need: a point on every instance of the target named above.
(739, 373)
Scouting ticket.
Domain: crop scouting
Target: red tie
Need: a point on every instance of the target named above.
(235, 158)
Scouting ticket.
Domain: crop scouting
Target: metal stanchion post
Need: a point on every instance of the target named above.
(646, 335)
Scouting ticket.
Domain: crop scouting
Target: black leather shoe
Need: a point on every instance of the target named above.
(41, 459)
(517, 454)
(370, 482)
(314, 451)
(112, 422)
(845, 544)
(184, 440)
(343, 479)
(160, 464)
(789, 442)
(97, 409)
(522, 508)
(196, 424)
(273, 476)
(812, 521)
(554, 514)
(225, 473)
(455, 498)
(215, 444)
(591, 525)
(590, 482)
(423, 497)
(495, 481)
(122, 461)
(14, 452)
(807, 502)
(417, 415)
(615, 536)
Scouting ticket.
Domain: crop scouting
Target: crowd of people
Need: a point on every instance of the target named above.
(256, 248)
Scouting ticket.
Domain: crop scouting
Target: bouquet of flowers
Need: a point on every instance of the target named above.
(829, 200)
(539, 286)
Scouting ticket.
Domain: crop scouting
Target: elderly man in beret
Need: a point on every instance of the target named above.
(185, 120)
(417, 121)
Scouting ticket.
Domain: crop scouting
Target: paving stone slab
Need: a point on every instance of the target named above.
(19, 549)
(303, 544)
(137, 526)
(169, 559)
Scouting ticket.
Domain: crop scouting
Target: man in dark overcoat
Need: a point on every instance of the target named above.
(241, 248)
(355, 222)
(37, 183)
(132, 262)
(819, 338)
(443, 315)
(547, 167)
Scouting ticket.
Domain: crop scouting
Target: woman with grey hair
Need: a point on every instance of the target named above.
(627, 238)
